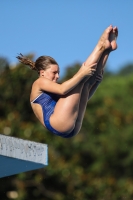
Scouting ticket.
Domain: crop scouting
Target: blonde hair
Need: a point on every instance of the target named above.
(42, 63)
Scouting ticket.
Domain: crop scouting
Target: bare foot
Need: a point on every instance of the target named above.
(113, 37)
(104, 42)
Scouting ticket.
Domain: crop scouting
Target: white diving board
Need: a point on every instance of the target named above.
(18, 155)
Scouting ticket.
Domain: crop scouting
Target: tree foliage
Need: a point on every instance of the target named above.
(95, 164)
(126, 70)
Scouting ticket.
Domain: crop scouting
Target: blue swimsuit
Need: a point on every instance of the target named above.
(48, 101)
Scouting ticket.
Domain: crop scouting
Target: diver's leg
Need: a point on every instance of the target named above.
(91, 84)
(96, 79)
(66, 110)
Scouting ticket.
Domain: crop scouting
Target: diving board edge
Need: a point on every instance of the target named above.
(18, 155)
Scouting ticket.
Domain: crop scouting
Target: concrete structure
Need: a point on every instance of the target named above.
(18, 155)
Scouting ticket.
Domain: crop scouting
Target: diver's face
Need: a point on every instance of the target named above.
(51, 73)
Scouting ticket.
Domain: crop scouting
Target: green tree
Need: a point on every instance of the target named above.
(126, 70)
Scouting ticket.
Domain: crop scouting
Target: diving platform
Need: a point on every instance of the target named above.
(18, 155)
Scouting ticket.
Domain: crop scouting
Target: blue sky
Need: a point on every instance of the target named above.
(66, 30)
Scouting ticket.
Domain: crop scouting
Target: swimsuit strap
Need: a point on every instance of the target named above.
(36, 98)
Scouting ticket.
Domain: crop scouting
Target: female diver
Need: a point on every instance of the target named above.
(61, 107)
